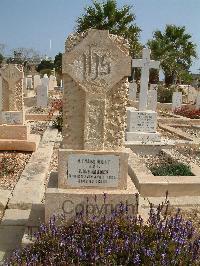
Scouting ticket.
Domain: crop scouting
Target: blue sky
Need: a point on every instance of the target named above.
(33, 23)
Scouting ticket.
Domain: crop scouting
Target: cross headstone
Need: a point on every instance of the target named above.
(145, 64)
(142, 123)
(152, 97)
(132, 90)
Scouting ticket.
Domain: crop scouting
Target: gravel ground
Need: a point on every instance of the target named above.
(195, 132)
(38, 127)
(12, 165)
(54, 159)
(168, 135)
(37, 110)
(164, 114)
(156, 160)
(188, 154)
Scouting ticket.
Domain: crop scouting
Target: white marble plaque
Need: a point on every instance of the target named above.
(12, 118)
(138, 121)
(88, 170)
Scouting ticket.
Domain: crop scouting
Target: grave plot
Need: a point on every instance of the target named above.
(12, 165)
(163, 165)
(194, 131)
(169, 135)
(38, 127)
(38, 110)
(168, 170)
(192, 154)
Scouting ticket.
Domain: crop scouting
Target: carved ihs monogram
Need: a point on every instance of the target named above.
(95, 65)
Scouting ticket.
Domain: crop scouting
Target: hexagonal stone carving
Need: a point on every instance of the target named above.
(97, 63)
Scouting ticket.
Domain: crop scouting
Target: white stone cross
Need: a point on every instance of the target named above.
(146, 64)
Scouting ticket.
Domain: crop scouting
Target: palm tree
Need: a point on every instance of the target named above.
(175, 50)
(106, 16)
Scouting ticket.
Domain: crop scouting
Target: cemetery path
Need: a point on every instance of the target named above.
(28, 191)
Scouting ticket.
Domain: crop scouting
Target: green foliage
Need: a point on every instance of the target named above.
(174, 169)
(45, 71)
(44, 65)
(1, 58)
(175, 50)
(107, 16)
(116, 239)
(58, 63)
(165, 94)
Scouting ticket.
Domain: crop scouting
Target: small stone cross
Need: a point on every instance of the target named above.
(146, 64)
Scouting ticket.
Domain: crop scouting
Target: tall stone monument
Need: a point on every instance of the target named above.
(142, 124)
(14, 134)
(93, 159)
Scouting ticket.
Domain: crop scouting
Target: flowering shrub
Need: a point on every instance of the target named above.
(187, 112)
(117, 240)
(57, 107)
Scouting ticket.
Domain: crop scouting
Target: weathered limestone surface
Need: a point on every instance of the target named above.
(14, 134)
(12, 88)
(31, 186)
(96, 90)
(93, 160)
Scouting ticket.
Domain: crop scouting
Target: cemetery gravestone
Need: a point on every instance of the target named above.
(42, 92)
(142, 124)
(152, 97)
(52, 82)
(176, 100)
(93, 159)
(42, 96)
(12, 128)
(132, 91)
(36, 81)
(198, 101)
(29, 82)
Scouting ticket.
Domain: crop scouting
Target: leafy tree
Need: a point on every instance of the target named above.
(1, 58)
(45, 65)
(107, 16)
(175, 50)
(58, 63)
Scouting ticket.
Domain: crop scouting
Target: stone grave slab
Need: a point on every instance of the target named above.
(176, 100)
